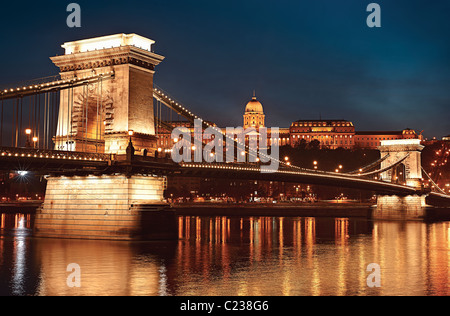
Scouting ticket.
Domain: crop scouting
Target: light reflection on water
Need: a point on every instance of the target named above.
(234, 256)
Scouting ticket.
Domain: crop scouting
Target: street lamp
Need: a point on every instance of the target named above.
(130, 133)
(35, 140)
(28, 132)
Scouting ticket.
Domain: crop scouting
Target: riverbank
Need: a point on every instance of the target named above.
(319, 209)
(25, 207)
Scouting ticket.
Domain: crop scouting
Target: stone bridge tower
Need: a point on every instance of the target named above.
(97, 118)
(409, 172)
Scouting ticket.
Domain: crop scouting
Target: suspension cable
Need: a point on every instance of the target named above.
(432, 182)
(370, 166)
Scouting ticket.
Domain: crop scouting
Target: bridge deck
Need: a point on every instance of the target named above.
(75, 163)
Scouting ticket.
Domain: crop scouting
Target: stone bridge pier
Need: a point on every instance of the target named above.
(408, 172)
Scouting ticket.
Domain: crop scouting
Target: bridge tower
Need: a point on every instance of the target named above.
(97, 118)
(408, 172)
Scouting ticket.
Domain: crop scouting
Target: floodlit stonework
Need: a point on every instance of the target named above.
(408, 172)
(98, 118)
(102, 117)
(105, 207)
(400, 207)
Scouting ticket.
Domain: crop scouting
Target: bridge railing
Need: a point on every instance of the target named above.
(32, 82)
(53, 154)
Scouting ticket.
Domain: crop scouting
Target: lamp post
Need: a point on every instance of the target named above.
(28, 132)
(35, 140)
(130, 149)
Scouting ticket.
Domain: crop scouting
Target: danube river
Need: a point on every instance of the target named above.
(228, 256)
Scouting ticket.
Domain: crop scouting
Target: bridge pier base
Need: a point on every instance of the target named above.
(392, 207)
(113, 207)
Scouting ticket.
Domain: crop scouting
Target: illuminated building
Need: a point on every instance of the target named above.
(330, 133)
(372, 140)
(254, 114)
(254, 117)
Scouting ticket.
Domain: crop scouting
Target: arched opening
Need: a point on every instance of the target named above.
(399, 174)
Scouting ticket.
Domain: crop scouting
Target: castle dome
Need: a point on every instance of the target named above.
(254, 106)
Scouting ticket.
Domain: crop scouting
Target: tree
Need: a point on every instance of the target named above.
(314, 144)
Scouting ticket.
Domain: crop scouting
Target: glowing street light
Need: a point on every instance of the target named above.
(28, 132)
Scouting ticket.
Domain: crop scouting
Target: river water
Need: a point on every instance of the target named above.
(228, 256)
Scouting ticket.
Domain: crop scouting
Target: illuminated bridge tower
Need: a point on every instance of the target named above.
(408, 172)
(97, 118)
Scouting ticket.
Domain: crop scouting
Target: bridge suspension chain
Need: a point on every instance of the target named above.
(433, 183)
(383, 169)
(42, 120)
(57, 85)
(370, 166)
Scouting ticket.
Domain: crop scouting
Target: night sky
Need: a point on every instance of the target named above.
(305, 59)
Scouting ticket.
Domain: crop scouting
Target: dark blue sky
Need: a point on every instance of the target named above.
(303, 58)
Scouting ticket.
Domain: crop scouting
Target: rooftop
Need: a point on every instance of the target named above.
(379, 132)
(105, 42)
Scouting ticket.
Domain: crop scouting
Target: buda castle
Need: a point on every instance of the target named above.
(330, 133)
